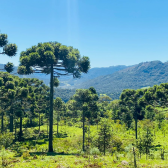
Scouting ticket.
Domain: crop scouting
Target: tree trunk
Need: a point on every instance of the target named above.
(39, 122)
(20, 133)
(57, 127)
(15, 131)
(51, 112)
(104, 143)
(97, 123)
(57, 121)
(11, 120)
(135, 123)
(47, 127)
(83, 131)
(135, 164)
(136, 129)
(31, 122)
(2, 125)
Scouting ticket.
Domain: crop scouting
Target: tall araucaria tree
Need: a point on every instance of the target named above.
(130, 108)
(55, 59)
(8, 49)
(86, 102)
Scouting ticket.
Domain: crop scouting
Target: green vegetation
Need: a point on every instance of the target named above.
(135, 77)
(8, 49)
(57, 60)
(90, 129)
(110, 81)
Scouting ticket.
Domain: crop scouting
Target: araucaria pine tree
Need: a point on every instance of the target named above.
(54, 59)
(8, 49)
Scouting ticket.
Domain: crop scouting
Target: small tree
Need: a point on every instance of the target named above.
(129, 106)
(145, 142)
(58, 107)
(85, 101)
(149, 112)
(104, 135)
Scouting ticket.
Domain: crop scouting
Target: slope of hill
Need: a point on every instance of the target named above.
(69, 82)
(141, 75)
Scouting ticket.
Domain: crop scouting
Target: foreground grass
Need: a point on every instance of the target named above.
(68, 154)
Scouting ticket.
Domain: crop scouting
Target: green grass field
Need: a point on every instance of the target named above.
(68, 149)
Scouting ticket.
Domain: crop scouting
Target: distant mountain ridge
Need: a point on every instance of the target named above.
(111, 80)
(144, 74)
(68, 81)
(92, 74)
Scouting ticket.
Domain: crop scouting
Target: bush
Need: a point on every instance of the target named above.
(6, 139)
(26, 134)
(25, 155)
(94, 151)
(117, 144)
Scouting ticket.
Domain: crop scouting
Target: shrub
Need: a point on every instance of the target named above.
(26, 155)
(117, 144)
(94, 151)
(6, 139)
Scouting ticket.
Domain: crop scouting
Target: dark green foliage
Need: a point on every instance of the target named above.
(1, 82)
(85, 100)
(3, 40)
(9, 50)
(11, 93)
(145, 143)
(104, 136)
(6, 139)
(53, 58)
(64, 94)
(149, 112)
(44, 54)
(56, 82)
(145, 74)
(9, 85)
(114, 106)
(58, 107)
(24, 92)
(129, 108)
(9, 67)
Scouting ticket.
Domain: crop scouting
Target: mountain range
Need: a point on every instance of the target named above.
(110, 80)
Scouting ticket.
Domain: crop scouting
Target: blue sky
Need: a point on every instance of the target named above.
(110, 32)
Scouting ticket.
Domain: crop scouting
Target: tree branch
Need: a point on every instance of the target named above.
(60, 69)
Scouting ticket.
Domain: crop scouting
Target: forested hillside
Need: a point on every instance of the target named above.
(141, 75)
(111, 80)
(64, 94)
(93, 73)
(66, 81)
